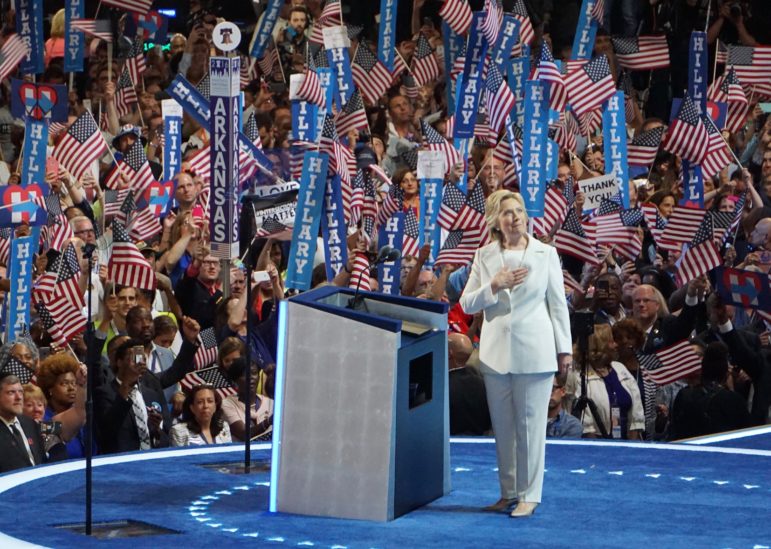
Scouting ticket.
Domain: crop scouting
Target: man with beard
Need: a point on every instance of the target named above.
(161, 361)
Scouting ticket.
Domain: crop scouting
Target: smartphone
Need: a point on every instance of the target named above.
(45, 352)
(198, 212)
(603, 286)
(139, 355)
(260, 276)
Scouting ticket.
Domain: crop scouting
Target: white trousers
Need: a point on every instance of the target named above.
(518, 408)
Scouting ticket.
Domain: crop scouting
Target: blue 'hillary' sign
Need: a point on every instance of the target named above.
(467, 96)
(333, 228)
(265, 28)
(306, 223)
(29, 25)
(74, 40)
(534, 147)
(614, 143)
(391, 234)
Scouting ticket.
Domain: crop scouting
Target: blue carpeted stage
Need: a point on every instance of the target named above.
(597, 494)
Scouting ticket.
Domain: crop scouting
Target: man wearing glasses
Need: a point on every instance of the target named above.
(198, 292)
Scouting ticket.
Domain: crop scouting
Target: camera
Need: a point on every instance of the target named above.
(583, 324)
(736, 9)
(50, 428)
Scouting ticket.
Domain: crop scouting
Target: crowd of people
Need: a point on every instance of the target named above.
(170, 363)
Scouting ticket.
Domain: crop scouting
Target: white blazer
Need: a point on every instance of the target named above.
(524, 328)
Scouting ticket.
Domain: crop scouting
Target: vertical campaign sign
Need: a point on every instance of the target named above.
(453, 44)
(534, 147)
(74, 40)
(21, 256)
(467, 95)
(431, 172)
(586, 31)
(519, 70)
(693, 182)
(327, 84)
(387, 33)
(337, 43)
(264, 30)
(306, 221)
(172, 135)
(224, 78)
(614, 143)
(303, 113)
(507, 38)
(391, 234)
(29, 25)
(333, 227)
(33, 168)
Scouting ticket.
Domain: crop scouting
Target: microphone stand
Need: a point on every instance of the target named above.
(248, 396)
(584, 326)
(385, 255)
(88, 253)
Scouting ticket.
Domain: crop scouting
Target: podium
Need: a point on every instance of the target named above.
(361, 417)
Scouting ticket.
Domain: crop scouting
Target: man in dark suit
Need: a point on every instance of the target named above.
(21, 443)
(131, 410)
(161, 361)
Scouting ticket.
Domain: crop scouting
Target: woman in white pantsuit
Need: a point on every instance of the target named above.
(517, 281)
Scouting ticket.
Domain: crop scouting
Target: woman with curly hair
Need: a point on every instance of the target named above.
(63, 382)
(202, 421)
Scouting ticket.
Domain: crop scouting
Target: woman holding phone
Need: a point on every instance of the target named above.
(516, 281)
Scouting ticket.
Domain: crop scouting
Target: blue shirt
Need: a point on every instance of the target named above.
(564, 426)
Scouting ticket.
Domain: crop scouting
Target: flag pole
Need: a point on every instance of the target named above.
(109, 61)
(714, 64)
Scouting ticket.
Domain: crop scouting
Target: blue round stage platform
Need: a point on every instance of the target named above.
(597, 494)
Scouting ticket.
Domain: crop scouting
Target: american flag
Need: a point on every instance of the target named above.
(571, 283)
(46, 283)
(618, 227)
(701, 256)
(625, 85)
(353, 116)
(64, 305)
(14, 366)
(751, 63)
(472, 216)
(331, 16)
(360, 274)
(392, 202)
(548, 72)
(644, 147)
(573, 239)
(136, 166)
(369, 74)
(425, 66)
(369, 211)
(138, 6)
(13, 51)
(5, 244)
(271, 226)
(310, 89)
(204, 86)
(457, 249)
(500, 99)
(718, 156)
(728, 89)
(687, 135)
(563, 134)
(642, 53)
(590, 86)
(297, 151)
(59, 230)
(670, 363)
(80, 146)
(681, 226)
(554, 211)
(721, 53)
(339, 155)
(598, 11)
(411, 234)
(208, 376)
(125, 94)
(483, 131)
(433, 140)
(399, 66)
(113, 200)
(453, 200)
(724, 223)
(135, 60)
(127, 266)
(654, 222)
(458, 15)
(591, 121)
(68, 277)
(526, 32)
(206, 354)
(60, 334)
(380, 175)
(268, 61)
(98, 28)
(491, 26)
(145, 225)
(459, 63)
(357, 198)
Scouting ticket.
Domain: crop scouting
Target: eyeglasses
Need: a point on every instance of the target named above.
(645, 300)
(210, 262)
(85, 231)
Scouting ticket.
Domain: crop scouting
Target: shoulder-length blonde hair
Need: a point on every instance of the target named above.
(57, 25)
(493, 209)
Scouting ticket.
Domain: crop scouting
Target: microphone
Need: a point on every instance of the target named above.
(88, 250)
(384, 255)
